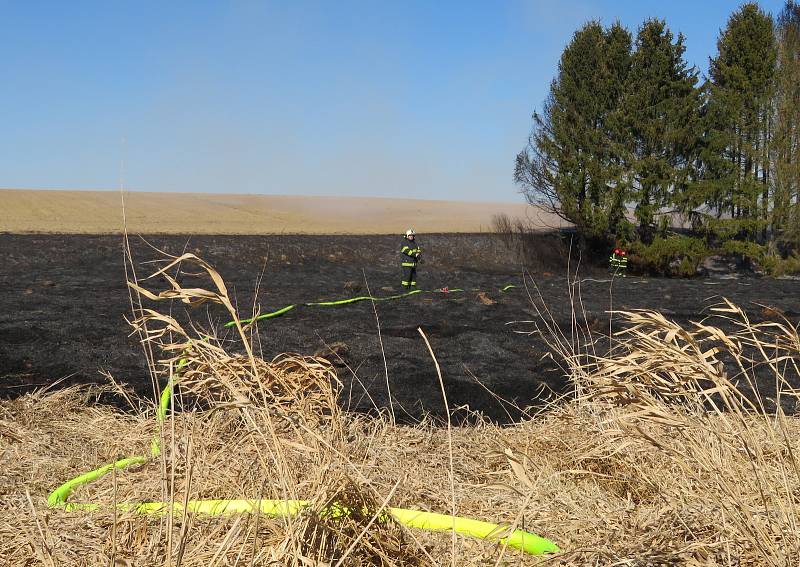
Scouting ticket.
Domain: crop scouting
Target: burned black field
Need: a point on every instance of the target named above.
(64, 302)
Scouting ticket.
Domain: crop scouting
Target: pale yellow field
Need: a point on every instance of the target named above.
(25, 211)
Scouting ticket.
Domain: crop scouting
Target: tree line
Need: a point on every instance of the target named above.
(632, 142)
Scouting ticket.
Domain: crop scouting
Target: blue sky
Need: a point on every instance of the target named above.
(403, 99)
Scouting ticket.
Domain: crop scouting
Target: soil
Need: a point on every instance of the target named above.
(64, 302)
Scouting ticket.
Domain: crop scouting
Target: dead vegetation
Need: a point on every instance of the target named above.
(666, 456)
(536, 247)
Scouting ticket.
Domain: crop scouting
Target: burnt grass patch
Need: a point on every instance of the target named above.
(64, 302)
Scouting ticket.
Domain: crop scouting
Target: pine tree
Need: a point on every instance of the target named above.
(740, 124)
(616, 146)
(662, 112)
(573, 164)
(786, 141)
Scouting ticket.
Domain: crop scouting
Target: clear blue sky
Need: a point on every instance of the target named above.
(412, 99)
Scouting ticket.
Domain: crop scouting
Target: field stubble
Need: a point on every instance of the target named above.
(99, 212)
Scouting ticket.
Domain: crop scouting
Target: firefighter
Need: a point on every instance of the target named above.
(410, 253)
(618, 262)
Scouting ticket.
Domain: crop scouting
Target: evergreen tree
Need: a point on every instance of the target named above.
(740, 121)
(615, 131)
(786, 141)
(573, 164)
(662, 113)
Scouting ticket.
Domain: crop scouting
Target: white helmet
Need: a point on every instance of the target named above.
(410, 232)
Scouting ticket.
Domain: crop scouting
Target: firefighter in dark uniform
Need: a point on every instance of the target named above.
(410, 252)
(618, 262)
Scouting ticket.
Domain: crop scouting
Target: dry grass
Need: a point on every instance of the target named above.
(662, 460)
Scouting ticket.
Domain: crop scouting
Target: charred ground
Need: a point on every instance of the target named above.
(64, 302)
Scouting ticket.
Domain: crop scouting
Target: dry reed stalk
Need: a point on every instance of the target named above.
(689, 399)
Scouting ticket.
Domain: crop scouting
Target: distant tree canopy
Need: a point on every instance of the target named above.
(629, 139)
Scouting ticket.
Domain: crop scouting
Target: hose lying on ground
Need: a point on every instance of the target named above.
(338, 302)
(519, 539)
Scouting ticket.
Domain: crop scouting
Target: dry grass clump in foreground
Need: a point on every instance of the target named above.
(660, 460)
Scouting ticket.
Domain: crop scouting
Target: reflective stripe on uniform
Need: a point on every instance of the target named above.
(409, 264)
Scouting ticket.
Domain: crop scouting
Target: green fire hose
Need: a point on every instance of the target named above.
(350, 300)
(518, 539)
